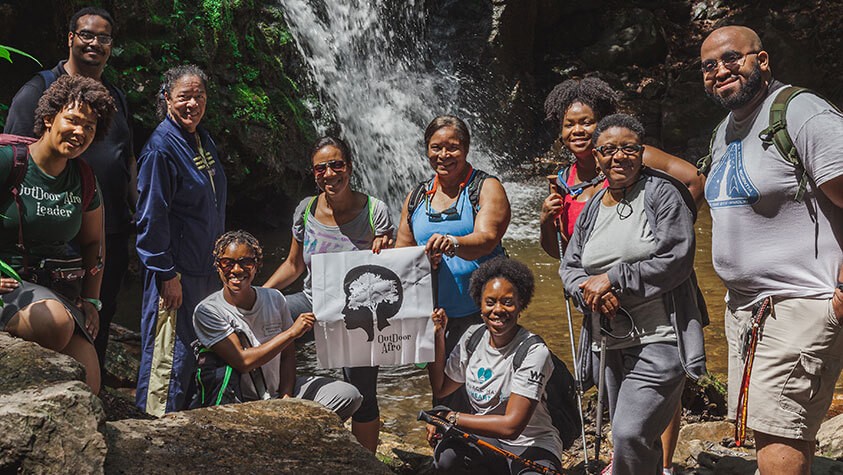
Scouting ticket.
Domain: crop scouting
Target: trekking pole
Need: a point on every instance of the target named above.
(448, 429)
(601, 390)
(577, 379)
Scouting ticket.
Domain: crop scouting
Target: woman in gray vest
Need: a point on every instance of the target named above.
(629, 268)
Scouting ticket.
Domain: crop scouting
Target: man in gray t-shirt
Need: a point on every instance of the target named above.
(766, 245)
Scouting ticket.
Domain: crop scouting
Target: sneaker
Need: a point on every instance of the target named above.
(608, 469)
(667, 471)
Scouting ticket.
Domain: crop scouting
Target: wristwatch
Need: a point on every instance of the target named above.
(97, 303)
(840, 286)
(455, 243)
(453, 418)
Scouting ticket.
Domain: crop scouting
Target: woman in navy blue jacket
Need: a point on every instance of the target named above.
(181, 212)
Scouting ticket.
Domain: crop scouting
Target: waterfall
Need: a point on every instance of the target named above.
(367, 59)
(370, 63)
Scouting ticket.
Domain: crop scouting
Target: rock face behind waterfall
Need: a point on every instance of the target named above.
(51, 423)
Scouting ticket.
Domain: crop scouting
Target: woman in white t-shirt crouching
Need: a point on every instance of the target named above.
(509, 404)
(250, 328)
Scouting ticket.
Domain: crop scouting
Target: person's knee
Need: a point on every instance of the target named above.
(368, 410)
(340, 397)
(350, 402)
(626, 436)
(47, 323)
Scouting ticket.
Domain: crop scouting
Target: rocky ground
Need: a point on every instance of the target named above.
(50, 422)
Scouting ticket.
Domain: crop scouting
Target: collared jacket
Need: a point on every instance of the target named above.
(669, 272)
(181, 204)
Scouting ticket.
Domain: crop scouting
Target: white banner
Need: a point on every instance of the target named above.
(372, 309)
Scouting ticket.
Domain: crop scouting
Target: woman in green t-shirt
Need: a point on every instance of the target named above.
(57, 215)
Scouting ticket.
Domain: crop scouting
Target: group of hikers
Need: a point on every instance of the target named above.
(620, 217)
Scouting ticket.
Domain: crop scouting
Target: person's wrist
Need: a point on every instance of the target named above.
(453, 418)
(455, 245)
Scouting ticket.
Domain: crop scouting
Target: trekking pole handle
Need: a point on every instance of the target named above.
(449, 428)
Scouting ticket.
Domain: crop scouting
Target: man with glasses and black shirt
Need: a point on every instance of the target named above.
(89, 42)
(784, 302)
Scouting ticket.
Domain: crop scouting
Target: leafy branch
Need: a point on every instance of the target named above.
(5, 53)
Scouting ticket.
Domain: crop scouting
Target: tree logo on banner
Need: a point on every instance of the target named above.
(371, 293)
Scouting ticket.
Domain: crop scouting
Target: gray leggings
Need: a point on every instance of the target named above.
(340, 397)
(643, 384)
(364, 378)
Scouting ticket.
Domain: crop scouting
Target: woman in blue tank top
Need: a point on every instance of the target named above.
(457, 234)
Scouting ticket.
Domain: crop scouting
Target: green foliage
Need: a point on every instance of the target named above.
(254, 105)
(6, 53)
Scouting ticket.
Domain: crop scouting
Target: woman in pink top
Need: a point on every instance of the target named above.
(577, 105)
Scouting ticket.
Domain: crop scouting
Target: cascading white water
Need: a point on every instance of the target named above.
(370, 73)
(369, 61)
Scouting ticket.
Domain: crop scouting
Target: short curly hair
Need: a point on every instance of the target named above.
(518, 274)
(70, 90)
(593, 92)
(624, 121)
(238, 237)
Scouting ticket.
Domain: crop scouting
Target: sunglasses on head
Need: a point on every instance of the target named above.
(335, 165)
(245, 263)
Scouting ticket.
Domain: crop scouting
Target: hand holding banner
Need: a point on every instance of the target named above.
(372, 309)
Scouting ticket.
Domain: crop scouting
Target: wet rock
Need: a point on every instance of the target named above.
(687, 113)
(510, 43)
(278, 436)
(830, 437)
(402, 457)
(630, 36)
(122, 357)
(48, 417)
(700, 437)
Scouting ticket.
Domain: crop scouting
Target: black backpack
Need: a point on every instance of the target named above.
(475, 184)
(217, 382)
(560, 389)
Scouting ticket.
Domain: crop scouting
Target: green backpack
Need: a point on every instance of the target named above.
(775, 134)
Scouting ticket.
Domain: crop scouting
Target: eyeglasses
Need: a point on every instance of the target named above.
(610, 150)
(88, 37)
(246, 263)
(731, 60)
(335, 165)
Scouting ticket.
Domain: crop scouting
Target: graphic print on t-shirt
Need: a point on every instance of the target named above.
(483, 374)
(371, 293)
(728, 184)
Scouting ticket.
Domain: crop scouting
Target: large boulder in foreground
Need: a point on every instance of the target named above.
(830, 437)
(48, 417)
(276, 436)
